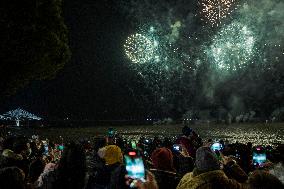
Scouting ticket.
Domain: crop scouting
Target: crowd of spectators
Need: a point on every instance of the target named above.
(185, 163)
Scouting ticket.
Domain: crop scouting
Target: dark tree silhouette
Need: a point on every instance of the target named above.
(34, 43)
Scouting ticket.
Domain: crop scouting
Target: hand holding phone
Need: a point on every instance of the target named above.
(225, 159)
(259, 156)
(259, 159)
(149, 183)
(177, 147)
(216, 146)
(134, 165)
(110, 132)
(181, 150)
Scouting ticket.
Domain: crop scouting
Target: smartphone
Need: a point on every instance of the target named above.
(145, 153)
(45, 148)
(177, 147)
(216, 146)
(146, 141)
(133, 145)
(110, 132)
(258, 158)
(134, 165)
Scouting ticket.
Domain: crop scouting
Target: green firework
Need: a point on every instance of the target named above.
(232, 47)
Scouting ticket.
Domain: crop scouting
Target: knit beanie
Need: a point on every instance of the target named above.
(206, 160)
(162, 159)
(112, 154)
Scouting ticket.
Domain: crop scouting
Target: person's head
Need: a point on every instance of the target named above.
(71, 167)
(222, 142)
(162, 159)
(249, 145)
(34, 149)
(186, 130)
(8, 143)
(206, 160)
(208, 143)
(194, 134)
(99, 142)
(156, 140)
(167, 143)
(12, 178)
(264, 180)
(35, 169)
(111, 154)
(20, 146)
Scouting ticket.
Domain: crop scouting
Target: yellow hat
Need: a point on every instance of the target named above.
(113, 154)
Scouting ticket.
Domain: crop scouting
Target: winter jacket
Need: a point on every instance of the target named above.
(50, 179)
(208, 180)
(108, 177)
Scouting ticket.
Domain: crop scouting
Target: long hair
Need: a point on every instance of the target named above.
(71, 168)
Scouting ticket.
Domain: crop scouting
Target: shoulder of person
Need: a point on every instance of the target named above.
(163, 172)
(46, 179)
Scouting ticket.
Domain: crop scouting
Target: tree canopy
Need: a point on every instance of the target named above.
(34, 42)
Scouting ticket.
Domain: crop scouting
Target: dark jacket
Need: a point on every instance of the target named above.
(166, 179)
(183, 164)
(108, 177)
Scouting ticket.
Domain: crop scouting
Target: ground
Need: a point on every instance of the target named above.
(257, 133)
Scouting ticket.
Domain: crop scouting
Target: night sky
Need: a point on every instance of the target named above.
(91, 82)
(98, 82)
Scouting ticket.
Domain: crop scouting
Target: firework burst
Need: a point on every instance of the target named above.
(139, 48)
(232, 47)
(214, 11)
